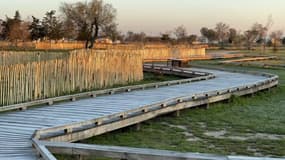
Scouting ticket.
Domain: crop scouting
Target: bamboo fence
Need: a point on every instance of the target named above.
(22, 57)
(28, 76)
(81, 71)
(176, 52)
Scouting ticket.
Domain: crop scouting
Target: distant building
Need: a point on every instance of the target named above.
(203, 40)
(165, 37)
(153, 39)
(104, 41)
(197, 42)
(158, 39)
(117, 42)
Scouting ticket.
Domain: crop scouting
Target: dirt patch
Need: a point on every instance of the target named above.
(216, 134)
(223, 134)
(175, 126)
(189, 135)
(268, 136)
(202, 125)
(255, 151)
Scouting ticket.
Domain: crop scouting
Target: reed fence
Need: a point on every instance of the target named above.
(83, 70)
(176, 52)
(27, 76)
(22, 57)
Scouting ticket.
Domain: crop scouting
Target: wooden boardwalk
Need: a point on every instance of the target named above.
(17, 128)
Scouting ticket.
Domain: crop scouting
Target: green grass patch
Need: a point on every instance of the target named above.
(252, 126)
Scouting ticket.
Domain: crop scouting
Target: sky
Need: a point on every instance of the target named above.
(159, 16)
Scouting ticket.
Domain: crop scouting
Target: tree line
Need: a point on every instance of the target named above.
(87, 21)
(257, 34)
(223, 35)
(78, 21)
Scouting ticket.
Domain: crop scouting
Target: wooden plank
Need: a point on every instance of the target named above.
(179, 72)
(43, 151)
(130, 153)
(206, 98)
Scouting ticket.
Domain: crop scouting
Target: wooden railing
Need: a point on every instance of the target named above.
(82, 130)
(128, 153)
(161, 107)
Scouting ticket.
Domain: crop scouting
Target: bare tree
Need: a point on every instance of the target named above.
(255, 34)
(232, 35)
(2, 24)
(111, 31)
(89, 17)
(181, 33)
(222, 30)
(69, 30)
(276, 39)
(19, 32)
(250, 38)
(16, 29)
(265, 30)
(239, 39)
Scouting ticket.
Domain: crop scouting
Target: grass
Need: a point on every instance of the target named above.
(252, 126)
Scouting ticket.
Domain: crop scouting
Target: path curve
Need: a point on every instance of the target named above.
(17, 128)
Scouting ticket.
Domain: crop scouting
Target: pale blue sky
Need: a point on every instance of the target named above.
(155, 16)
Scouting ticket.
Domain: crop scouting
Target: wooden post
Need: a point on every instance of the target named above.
(50, 103)
(23, 108)
(138, 126)
(73, 99)
(208, 106)
(79, 157)
(68, 130)
(177, 113)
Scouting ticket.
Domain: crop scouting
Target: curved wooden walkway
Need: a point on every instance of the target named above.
(17, 128)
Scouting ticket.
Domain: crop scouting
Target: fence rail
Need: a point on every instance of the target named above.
(129, 153)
